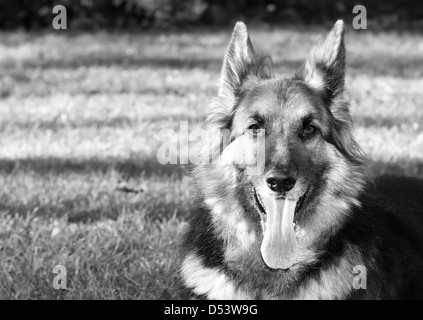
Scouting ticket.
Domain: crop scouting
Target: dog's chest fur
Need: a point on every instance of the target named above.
(217, 269)
(214, 283)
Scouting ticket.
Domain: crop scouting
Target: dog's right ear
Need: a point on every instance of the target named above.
(239, 62)
(325, 69)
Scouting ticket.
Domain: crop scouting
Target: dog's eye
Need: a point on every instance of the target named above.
(309, 130)
(254, 128)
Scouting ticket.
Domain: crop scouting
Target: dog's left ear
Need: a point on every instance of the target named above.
(238, 56)
(240, 61)
(325, 69)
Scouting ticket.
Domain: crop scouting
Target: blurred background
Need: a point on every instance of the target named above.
(81, 108)
(124, 14)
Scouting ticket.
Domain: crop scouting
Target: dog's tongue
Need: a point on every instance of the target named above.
(279, 248)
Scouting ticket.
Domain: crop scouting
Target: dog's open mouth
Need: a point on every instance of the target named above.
(279, 247)
(262, 210)
(260, 206)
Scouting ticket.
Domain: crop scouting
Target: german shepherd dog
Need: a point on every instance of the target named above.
(311, 224)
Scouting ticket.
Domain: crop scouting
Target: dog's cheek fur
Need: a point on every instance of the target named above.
(342, 137)
(339, 185)
(220, 186)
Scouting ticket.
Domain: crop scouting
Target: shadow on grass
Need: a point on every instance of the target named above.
(74, 211)
(149, 166)
(404, 67)
(87, 207)
(118, 122)
(74, 215)
(57, 124)
(127, 167)
(387, 121)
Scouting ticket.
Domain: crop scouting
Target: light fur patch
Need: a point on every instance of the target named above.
(209, 282)
(244, 235)
(228, 218)
(314, 78)
(229, 221)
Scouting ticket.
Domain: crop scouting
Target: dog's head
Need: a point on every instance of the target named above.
(298, 131)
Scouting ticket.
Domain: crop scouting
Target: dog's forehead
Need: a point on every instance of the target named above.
(279, 97)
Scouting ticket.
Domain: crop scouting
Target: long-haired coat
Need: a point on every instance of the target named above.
(288, 211)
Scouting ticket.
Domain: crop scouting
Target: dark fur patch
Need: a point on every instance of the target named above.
(203, 239)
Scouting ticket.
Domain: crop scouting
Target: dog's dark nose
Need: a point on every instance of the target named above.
(280, 182)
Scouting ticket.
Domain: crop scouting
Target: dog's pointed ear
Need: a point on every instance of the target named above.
(325, 69)
(237, 64)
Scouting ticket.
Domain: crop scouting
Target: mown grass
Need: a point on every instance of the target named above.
(79, 118)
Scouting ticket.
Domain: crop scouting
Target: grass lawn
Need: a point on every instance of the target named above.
(80, 116)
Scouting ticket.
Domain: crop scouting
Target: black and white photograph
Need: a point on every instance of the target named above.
(211, 150)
